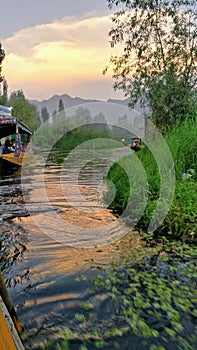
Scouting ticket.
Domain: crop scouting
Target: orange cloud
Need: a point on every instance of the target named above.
(60, 57)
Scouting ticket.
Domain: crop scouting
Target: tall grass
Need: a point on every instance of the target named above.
(78, 136)
(182, 141)
(182, 216)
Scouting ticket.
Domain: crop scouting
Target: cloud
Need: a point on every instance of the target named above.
(63, 54)
(68, 30)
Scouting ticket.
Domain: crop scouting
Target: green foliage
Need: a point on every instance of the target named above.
(62, 344)
(87, 306)
(60, 106)
(170, 98)
(2, 56)
(153, 292)
(63, 134)
(44, 114)
(23, 109)
(151, 302)
(48, 133)
(118, 177)
(182, 216)
(158, 63)
(67, 132)
(80, 317)
(78, 136)
(99, 123)
(122, 132)
(82, 116)
(182, 141)
(181, 220)
(4, 96)
(148, 294)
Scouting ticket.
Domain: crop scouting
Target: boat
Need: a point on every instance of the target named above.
(10, 327)
(9, 126)
(135, 143)
(16, 161)
(9, 336)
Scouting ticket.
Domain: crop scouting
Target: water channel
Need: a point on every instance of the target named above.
(54, 231)
(39, 268)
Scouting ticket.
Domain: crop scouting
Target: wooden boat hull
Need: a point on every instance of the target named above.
(9, 338)
(10, 160)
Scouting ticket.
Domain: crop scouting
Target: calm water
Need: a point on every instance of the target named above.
(54, 228)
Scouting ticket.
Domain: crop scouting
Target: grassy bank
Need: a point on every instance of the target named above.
(64, 135)
(182, 215)
(79, 136)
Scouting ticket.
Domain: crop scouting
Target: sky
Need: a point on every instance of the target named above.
(56, 47)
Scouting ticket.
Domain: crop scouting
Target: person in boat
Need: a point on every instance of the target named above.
(8, 147)
(7, 142)
(13, 143)
(135, 144)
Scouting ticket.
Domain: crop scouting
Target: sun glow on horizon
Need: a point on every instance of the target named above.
(66, 56)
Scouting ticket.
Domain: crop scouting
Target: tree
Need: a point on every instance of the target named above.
(96, 124)
(23, 109)
(61, 106)
(100, 123)
(4, 96)
(2, 55)
(82, 116)
(44, 114)
(159, 60)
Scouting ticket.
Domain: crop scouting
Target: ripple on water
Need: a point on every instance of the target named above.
(40, 271)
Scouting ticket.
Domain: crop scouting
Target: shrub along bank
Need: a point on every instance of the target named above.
(181, 220)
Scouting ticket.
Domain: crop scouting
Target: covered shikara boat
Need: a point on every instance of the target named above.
(135, 143)
(9, 126)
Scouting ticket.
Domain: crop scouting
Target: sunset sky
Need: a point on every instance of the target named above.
(56, 47)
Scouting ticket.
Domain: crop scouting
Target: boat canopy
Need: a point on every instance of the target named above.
(8, 125)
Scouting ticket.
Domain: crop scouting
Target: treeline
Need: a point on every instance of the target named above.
(67, 131)
(21, 107)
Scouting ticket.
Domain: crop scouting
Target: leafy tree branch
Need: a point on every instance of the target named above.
(158, 63)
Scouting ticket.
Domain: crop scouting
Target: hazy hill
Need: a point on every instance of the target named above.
(52, 103)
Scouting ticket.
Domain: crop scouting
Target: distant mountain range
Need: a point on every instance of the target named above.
(52, 103)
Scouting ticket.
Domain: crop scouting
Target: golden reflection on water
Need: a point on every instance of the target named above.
(85, 199)
(85, 210)
(90, 212)
(52, 299)
(53, 265)
(52, 257)
(71, 213)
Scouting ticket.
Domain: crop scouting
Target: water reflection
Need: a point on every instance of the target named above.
(39, 270)
(65, 201)
(49, 281)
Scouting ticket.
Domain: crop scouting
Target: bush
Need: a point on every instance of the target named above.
(182, 215)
